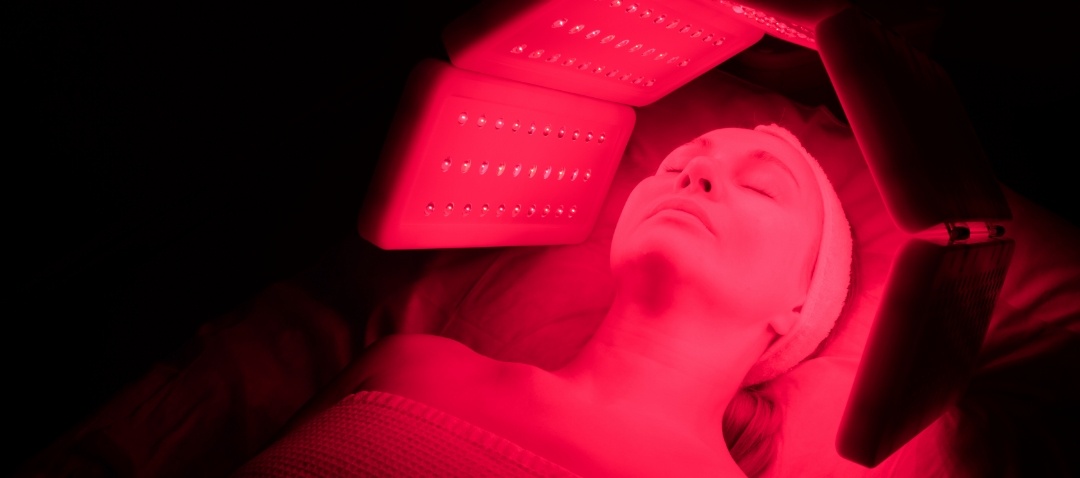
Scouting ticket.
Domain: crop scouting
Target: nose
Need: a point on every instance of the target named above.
(698, 175)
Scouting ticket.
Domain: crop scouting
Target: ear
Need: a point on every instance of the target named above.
(784, 322)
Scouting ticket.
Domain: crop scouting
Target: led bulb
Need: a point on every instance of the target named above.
(517, 170)
(484, 210)
(588, 136)
(588, 174)
(547, 210)
(562, 132)
(547, 172)
(708, 38)
(632, 8)
(600, 139)
(684, 62)
(518, 49)
(638, 80)
(612, 73)
(592, 34)
(483, 167)
(598, 69)
(466, 210)
(646, 14)
(465, 165)
(502, 169)
(481, 121)
(673, 24)
(635, 48)
(547, 130)
(622, 43)
(532, 128)
(571, 212)
(685, 28)
(516, 126)
(576, 29)
(499, 212)
(532, 210)
(650, 82)
(553, 58)
(577, 134)
(562, 172)
(584, 65)
(718, 42)
(559, 210)
(559, 23)
(449, 209)
(516, 211)
(626, 77)
(607, 39)
(569, 61)
(697, 34)
(429, 209)
(660, 19)
(446, 164)
(673, 59)
(462, 118)
(615, 3)
(532, 171)
(573, 175)
(648, 52)
(499, 123)
(660, 56)
(536, 54)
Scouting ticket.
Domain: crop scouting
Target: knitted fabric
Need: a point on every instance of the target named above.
(384, 435)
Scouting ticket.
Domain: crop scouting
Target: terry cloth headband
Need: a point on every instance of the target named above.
(828, 284)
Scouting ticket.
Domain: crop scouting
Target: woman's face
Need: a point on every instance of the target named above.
(735, 213)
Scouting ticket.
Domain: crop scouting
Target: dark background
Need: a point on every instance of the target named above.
(165, 161)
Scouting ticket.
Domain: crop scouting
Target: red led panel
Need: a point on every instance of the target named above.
(618, 50)
(923, 345)
(473, 160)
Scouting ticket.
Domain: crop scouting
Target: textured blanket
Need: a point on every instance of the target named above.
(380, 434)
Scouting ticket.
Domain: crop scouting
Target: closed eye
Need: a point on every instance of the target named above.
(672, 170)
(762, 191)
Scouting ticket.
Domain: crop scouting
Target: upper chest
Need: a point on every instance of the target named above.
(537, 411)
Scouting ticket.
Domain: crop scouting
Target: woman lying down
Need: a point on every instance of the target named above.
(732, 263)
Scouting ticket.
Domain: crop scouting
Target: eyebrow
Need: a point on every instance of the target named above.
(766, 157)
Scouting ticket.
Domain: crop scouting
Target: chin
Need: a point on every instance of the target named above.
(680, 243)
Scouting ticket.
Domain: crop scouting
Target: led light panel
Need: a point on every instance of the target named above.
(473, 161)
(631, 52)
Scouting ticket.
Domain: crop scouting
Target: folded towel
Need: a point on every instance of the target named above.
(381, 434)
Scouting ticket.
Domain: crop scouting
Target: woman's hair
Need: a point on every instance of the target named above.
(751, 424)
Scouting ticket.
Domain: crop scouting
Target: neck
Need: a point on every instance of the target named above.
(675, 363)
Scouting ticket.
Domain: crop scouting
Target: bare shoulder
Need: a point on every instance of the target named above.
(419, 366)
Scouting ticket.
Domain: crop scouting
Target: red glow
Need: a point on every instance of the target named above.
(617, 50)
(475, 161)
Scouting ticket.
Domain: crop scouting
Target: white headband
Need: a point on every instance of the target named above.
(828, 284)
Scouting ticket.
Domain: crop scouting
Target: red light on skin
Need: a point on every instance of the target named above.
(432, 162)
(602, 52)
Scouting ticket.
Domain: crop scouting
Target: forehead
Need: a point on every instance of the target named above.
(737, 141)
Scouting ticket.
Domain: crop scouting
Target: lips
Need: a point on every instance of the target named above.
(684, 205)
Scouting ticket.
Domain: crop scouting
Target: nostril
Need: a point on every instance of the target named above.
(684, 182)
(705, 185)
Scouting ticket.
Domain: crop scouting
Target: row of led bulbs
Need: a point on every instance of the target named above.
(501, 209)
(710, 38)
(482, 121)
(467, 164)
(789, 29)
(647, 13)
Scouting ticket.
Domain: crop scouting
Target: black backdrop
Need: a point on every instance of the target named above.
(166, 161)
